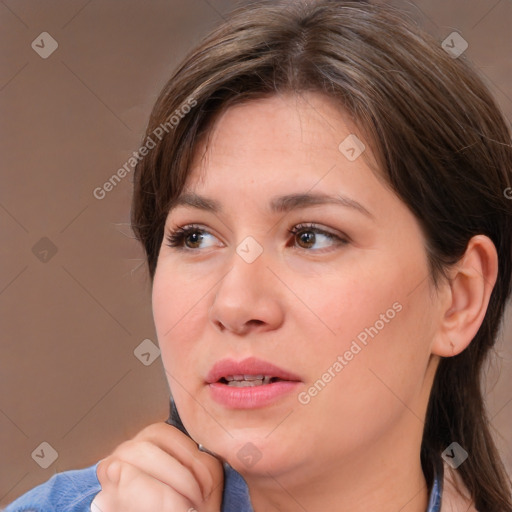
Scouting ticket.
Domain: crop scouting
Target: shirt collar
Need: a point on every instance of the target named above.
(434, 502)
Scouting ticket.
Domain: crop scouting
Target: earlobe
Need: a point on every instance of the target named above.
(467, 296)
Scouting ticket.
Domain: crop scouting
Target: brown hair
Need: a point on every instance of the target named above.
(441, 143)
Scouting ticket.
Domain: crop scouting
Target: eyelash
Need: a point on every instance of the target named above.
(176, 238)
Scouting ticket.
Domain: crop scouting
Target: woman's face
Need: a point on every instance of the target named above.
(348, 319)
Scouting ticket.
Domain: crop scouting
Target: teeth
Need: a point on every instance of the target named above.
(242, 381)
(243, 377)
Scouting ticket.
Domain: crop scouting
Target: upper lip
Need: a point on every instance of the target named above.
(249, 366)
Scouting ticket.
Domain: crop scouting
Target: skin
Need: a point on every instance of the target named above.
(159, 469)
(356, 444)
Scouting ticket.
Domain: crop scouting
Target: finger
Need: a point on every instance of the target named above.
(162, 466)
(206, 468)
(132, 490)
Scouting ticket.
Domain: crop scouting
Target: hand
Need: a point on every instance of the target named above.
(159, 469)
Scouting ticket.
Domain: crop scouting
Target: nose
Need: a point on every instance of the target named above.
(247, 298)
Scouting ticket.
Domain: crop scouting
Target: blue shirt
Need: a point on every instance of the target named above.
(74, 491)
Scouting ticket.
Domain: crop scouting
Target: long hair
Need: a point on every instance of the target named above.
(441, 143)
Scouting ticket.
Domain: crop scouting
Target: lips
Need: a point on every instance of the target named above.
(248, 372)
(250, 384)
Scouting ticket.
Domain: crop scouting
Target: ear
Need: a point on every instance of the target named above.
(466, 297)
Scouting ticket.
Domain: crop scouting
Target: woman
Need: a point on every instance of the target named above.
(322, 199)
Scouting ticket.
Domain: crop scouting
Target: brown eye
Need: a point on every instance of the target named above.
(309, 235)
(188, 237)
(195, 237)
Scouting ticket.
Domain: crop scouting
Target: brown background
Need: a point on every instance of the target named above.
(70, 324)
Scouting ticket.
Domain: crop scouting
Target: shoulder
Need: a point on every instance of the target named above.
(70, 491)
(456, 497)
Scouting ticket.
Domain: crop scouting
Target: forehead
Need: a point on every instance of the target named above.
(283, 136)
(274, 155)
(279, 154)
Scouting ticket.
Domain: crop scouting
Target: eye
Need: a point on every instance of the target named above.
(308, 234)
(190, 237)
(183, 234)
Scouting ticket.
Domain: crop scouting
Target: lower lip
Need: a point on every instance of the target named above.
(251, 397)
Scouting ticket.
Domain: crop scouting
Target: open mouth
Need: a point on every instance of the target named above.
(248, 372)
(251, 383)
(242, 381)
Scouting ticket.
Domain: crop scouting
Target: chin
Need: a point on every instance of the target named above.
(253, 451)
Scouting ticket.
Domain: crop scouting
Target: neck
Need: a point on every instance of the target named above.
(384, 475)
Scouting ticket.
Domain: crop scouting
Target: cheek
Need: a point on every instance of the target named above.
(384, 353)
(380, 347)
(179, 315)
(353, 306)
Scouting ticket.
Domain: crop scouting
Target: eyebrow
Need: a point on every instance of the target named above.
(279, 204)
